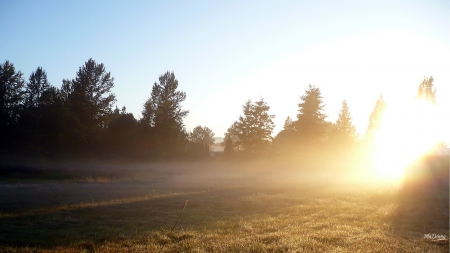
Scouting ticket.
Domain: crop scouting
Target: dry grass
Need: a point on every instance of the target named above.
(231, 208)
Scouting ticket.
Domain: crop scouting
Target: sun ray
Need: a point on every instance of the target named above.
(410, 130)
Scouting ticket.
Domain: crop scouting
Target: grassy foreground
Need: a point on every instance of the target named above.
(230, 208)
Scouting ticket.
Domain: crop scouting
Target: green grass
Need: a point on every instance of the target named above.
(231, 208)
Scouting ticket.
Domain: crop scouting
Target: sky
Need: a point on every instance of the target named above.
(225, 52)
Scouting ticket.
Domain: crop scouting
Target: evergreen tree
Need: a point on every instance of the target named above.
(229, 149)
(288, 124)
(426, 90)
(202, 135)
(163, 112)
(310, 125)
(121, 134)
(254, 128)
(90, 97)
(11, 99)
(231, 135)
(89, 101)
(283, 141)
(52, 122)
(37, 92)
(36, 86)
(11, 93)
(376, 118)
(345, 130)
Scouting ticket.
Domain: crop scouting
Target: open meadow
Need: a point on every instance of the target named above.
(215, 207)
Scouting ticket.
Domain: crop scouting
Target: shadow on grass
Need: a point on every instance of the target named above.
(11, 173)
(423, 201)
(95, 223)
(39, 173)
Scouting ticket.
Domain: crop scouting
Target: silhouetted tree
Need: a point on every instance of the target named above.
(163, 112)
(11, 92)
(288, 124)
(232, 132)
(283, 141)
(36, 86)
(376, 118)
(229, 149)
(231, 139)
(53, 121)
(254, 128)
(11, 99)
(345, 130)
(35, 98)
(202, 135)
(121, 134)
(426, 90)
(89, 100)
(310, 125)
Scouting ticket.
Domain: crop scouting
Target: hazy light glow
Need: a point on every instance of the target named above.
(355, 68)
(410, 129)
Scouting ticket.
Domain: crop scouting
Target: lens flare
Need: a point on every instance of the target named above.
(408, 131)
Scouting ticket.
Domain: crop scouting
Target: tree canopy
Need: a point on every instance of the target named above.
(163, 112)
(77, 121)
(426, 90)
(376, 117)
(202, 135)
(11, 101)
(310, 125)
(253, 129)
(345, 130)
(35, 88)
(88, 101)
(11, 93)
(89, 95)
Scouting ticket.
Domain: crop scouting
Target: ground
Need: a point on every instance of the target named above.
(214, 207)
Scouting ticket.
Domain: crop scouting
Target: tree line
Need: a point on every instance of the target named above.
(310, 134)
(79, 120)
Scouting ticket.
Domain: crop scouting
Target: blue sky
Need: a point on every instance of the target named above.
(223, 53)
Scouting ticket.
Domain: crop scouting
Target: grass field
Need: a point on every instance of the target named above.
(228, 207)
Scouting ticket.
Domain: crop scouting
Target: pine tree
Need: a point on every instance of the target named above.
(345, 130)
(89, 101)
(89, 95)
(35, 88)
(120, 137)
(376, 118)
(36, 96)
(11, 98)
(310, 125)
(229, 148)
(163, 113)
(231, 136)
(11, 93)
(254, 129)
(288, 124)
(202, 135)
(426, 90)
(284, 139)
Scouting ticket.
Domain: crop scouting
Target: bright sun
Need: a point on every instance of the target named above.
(408, 131)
